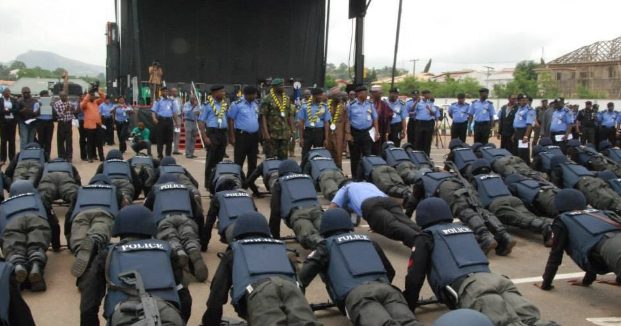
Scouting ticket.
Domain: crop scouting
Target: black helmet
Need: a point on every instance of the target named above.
(224, 184)
(134, 220)
(408, 147)
(100, 179)
(335, 219)
(166, 178)
(32, 145)
(490, 145)
(387, 145)
(475, 148)
(568, 200)
(288, 167)
(545, 141)
(573, 143)
(480, 166)
(604, 145)
(168, 160)
(21, 187)
(557, 160)
(432, 211)
(114, 154)
(463, 317)
(251, 223)
(456, 143)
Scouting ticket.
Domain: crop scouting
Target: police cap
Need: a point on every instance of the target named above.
(521, 97)
(483, 90)
(461, 95)
(361, 88)
(335, 219)
(251, 223)
(588, 102)
(432, 211)
(250, 90)
(288, 167)
(114, 154)
(21, 187)
(568, 200)
(277, 82)
(168, 160)
(415, 92)
(134, 220)
(463, 317)
(215, 88)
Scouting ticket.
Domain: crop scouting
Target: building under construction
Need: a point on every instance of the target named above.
(595, 68)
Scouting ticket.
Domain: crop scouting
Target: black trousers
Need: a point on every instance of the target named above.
(94, 143)
(122, 132)
(361, 145)
(64, 140)
(422, 135)
(45, 131)
(523, 153)
(508, 144)
(215, 153)
(164, 134)
(459, 130)
(482, 130)
(109, 132)
(609, 133)
(387, 218)
(246, 146)
(395, 133)
(7, 139)
(411, 133)
(82, 141)
(313, 137)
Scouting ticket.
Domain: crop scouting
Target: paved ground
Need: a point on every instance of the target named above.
(566, 304)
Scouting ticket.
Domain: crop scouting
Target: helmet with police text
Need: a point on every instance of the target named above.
(21, 187)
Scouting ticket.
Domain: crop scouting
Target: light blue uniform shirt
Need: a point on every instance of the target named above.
(459, 112)
(245, 115)
(320, 110)
(361, 114)
(121, 113)
(524, 116)
(482, 111)
(609, 119)
(210, 118)
(165, 108)
(189, 111)
(352, 195)
(399, 111)
(561, 119)
(106, 109)
(410, 107)
(425, 110)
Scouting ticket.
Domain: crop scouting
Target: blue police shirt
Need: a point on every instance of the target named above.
(609, 119)
(459, 112)
(399, 110)
(106, 109)
(352, 195)
(189, 111)
(317, 110)
(561, 119)
(361, 114)
(245, 115)
(524, 116)
(482, 111)
(121, 113)
(425, 110)
(210, 118)
(165, 108)
(410, 106)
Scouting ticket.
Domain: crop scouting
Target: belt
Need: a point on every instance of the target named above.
(360, 130)
(424, 120)
(245, 132)
(216, 129)
(458, 123)
(107, 118)
(124, 121)
(313, 128)
(481, 122)
(164, 118)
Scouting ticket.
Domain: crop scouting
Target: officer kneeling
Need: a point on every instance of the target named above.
(264, 289)
(357, 274)
(592, 238)
(139, 277)
(458, 272)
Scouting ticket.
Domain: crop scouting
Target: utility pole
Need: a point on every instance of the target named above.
(413, 61)
(488, 73)
(394, 59)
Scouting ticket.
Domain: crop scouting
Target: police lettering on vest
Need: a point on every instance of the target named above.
(255, 260)
(171, 198)
(370, 162)
(96, 196)
(586, 229)
(396, 155)
(455, 254)
(32, 154)
(432, 181)
(58, 166)
(319, 151)
(297, 191)
(139, 160)
(491, 154)
(353, 262)
(21, 205)
(117, 169)
(572, 173)
(527, 190)
(152, 259)
(319, 164)
(490, 187)
(232, 204)
(5, 292)
(463, 157)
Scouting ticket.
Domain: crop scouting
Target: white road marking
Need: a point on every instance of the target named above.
(605, 321)
(557, 277)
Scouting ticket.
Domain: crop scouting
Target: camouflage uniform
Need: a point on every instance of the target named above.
(329, 182)
(513, 164)
(280, 129)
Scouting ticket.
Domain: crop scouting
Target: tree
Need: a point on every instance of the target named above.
(329, 82)
(547, 86)
(17, 65)
(524, 81)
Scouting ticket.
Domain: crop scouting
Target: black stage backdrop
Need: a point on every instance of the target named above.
(224, 41)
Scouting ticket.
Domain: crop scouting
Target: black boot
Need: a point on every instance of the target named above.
(505, 243)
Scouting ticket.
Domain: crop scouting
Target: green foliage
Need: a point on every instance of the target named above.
(448, 88)
(342, 71)
(524, 81)
(329, 82)
(585, 93)
(547, 86)
(24, 71)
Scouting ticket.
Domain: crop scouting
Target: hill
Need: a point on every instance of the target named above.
(51, 61)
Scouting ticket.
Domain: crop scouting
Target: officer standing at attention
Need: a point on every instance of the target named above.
(506, 116)
(45, 123)
(164, 111)
(608, 121)
(482, 112)
(398, 124)
(440, 255)
(458, 112)
(314, 122)
(261, 277)
(191, 112)
(340, 131)
(587, 118)
(277, 116)
(592, 238)
(410, 105)
(105, 109)
(523, 125)
(561, 123)
(537, 127)
(356, 270)
(213, 128)
(139, 254)
(14, 310)
(243, 119)
(425, 115)
(362, 117)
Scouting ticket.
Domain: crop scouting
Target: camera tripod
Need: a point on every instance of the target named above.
(444, 123)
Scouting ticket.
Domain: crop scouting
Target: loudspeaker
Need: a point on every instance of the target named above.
(357, 8)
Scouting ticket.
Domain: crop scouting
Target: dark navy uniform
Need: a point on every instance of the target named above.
(537, 195)
(14, 310)
(374, 169)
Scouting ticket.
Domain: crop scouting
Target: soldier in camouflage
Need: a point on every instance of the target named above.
(277, 115)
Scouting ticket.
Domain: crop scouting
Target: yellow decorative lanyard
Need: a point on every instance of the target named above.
(282, 106)
(336, 115)
(223, 109)
(312, 118)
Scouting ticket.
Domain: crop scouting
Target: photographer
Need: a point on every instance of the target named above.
(92, 122)
(141, 140)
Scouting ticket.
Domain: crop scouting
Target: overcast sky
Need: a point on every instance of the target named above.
(456, 34)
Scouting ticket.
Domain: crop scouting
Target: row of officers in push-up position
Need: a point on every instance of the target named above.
(569, 194)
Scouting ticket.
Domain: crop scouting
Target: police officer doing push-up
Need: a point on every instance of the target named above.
(139, 277)
(406, 161)
(458, 272)
(294, 199)
(374, 169)
(14, 310)
(325, 173)
(27, 165)
(145, 168)
(121, 174)
(268, 169)
(60, 180)
(179, 222)
(262, 279)
(357, 274)
(591, 237)
(168, 165)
